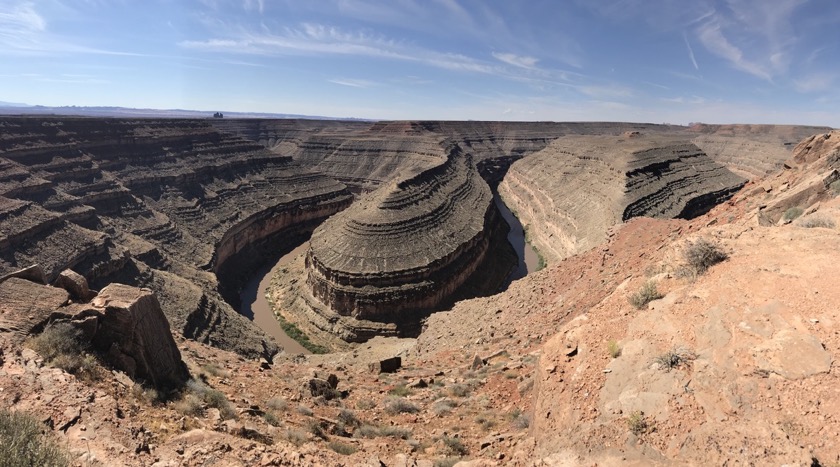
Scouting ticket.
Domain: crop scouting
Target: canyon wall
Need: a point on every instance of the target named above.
(168, 204)
(570, 194)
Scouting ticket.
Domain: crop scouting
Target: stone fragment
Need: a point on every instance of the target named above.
(74, 283)
(34, 273)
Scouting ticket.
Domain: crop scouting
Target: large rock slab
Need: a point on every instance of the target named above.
(135, 334)
(26, 305)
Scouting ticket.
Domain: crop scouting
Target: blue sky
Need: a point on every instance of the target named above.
(677, 61)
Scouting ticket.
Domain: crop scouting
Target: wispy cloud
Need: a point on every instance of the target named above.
(712, 37)
(522, 61)
(690, 52)
(354, 83)
(816, 82)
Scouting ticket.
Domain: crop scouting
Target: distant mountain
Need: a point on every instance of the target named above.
(13, 104)
(8, 108)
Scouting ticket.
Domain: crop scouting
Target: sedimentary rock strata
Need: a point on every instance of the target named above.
(170, 203)
(406, 247)
(572, 192)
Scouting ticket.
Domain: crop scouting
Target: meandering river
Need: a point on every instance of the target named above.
(255, 306)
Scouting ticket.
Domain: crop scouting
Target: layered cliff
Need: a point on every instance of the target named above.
(570, 194)
(173, 204)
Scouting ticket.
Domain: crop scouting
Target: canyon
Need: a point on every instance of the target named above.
(392, 245)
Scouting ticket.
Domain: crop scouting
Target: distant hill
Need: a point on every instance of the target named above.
(10, 108)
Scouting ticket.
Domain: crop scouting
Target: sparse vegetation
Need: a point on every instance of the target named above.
(793, 213)
(460, 390)
(674, 358)
(455, 446)
(304, 410)
(271, 419)
(835, 187)
(365, 404)
(812, 221)
(197, 395)
(613, 349)
(395, 432)
(23, 443)
(215, 370)
(637, 424)
(317, 429)
(347, 418)
(645, 295)
(485, 421)
(342, 448)
(277, 403)
(703, 254)
(397, 405)
(61, 346)
(296, 437)
(400, 391)
(443, 406)
(295, 333)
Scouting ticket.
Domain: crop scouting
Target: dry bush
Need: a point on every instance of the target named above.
(61, 346)
(23, 443)
(702, 254)
(277, 403)
(674, 358)
(397, 405)
(342, 448)
(614, 349)
(645, 295)
(812, 221)
(197, 395)
(443, 406)
(455, 446)
(792, 213)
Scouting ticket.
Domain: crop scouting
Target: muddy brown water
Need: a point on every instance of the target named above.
(255, 306)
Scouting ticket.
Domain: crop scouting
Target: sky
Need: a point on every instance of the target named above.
(659, 61)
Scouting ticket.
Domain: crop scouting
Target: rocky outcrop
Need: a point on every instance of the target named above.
(570, 194)
(154, 202)
(134, 334)
(406, 248)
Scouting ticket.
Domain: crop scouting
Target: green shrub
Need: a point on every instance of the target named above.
(645, 295)
(23, 443)
(793, 213)
(703, 254)
(637, 424)
(61, 346)
(400, 390)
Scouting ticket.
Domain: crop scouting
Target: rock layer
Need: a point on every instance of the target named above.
(172, 204)
(571, 193)
(406, 247)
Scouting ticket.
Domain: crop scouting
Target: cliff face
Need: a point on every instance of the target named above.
(137, 199)
(405, 248)
(570, 194)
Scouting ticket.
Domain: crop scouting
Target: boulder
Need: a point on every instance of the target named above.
(34, 273)
(26, 305)
(74, 283)
(135, 335)
(388, 365)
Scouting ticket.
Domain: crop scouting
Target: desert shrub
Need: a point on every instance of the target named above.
(460, 390)
(519, 419)
(812, 221)
(703, 254)
(485, 421)
(395, 432)
(637, 424)
(342, 448)
(197, 395)
(613, 349)
(296, 437)
(366, 431)
(365, 404)
(271, 419)
(400, 391)
(835, 187)
(674, 358)
(793, 213)
(61, 346)
(148, 395)
(397, 405)
(348, 419)
(455, 446)
(447, 462)
(443, 406)
(23, 444)
(215, 370)
(645, 295)
(277, 403)
(317, 429)
(304, 410)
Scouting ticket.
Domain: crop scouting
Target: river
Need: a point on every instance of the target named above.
(528, 259)
(254, 305)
